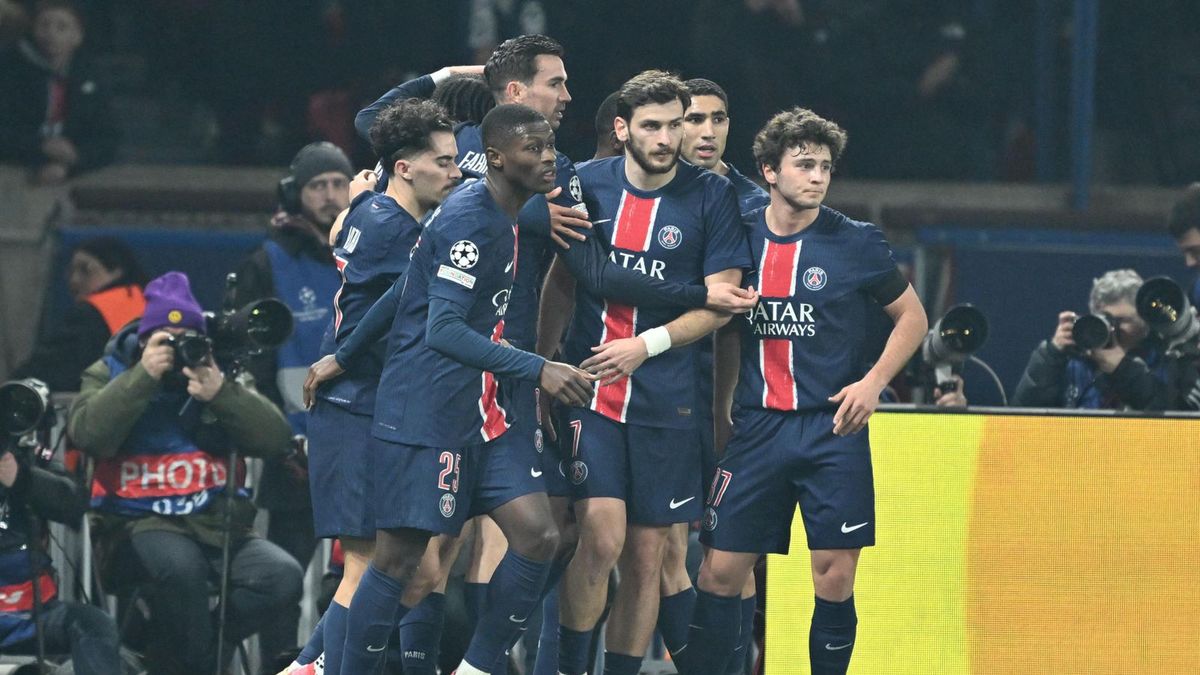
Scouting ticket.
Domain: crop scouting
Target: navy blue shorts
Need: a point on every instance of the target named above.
(424, 488)
(339, 472)
(511, 466)
(778, 459)
(657, 472)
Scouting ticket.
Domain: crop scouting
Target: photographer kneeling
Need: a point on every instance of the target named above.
(1128, 372)
(87, 633)
(161, 435)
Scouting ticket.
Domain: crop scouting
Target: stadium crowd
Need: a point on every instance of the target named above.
(561, 376)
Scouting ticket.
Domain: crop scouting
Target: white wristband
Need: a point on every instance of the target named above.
(658, 340)
(440, 75)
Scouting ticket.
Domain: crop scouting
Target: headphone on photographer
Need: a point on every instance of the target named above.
(312, 160)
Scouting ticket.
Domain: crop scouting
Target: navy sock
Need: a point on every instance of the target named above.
(621, 664)
(335, 637)
(715, 629)
(315, 645)
(557, 567)
(674, 614)
(573, 650)
(421, 635)
(737, 665)
(372, 617)
(831, 638)
(475, 597)
(514, 592)
(547, 649)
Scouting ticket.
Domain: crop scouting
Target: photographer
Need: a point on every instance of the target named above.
(28, 492)
(1129, 373)
(161, 435)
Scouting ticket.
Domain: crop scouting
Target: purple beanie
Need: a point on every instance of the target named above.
(169, 302)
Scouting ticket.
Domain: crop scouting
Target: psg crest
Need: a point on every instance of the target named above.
(814, 278)
(446, 505)
(464, 254)
(709, 522)
(670, 237)
(579, 472)
(538, 443)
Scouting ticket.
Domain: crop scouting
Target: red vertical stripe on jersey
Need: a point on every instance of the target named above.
(632, 231)
(635, 222)
(777, 277)
(612, 400)
(337, 307)
(494, 422)
(779, 384)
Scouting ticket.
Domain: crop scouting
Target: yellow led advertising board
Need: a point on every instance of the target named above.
(1017, 544)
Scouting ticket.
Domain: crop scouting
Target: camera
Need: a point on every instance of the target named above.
(1164, 306)
(955, 336)
(24, 407)
(1092, 331)
(191, 349)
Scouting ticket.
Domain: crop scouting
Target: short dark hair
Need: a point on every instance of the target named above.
(606, 113)
(796, 128)
(516, 59)
(1185, 213)
(649, 87)
(465, 97)
(505, 121)
(402, 129)
(114, 254)
(698, 86)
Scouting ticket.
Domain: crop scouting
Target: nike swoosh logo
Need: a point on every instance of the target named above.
(513, 618)
(508, 268)
(376, 649)
(605, 220)
(675, 504)
(847, 529)
(834, 649)
(535, 473)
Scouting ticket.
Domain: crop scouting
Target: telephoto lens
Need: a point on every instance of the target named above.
(23, 404)
(1092, 331)
(1165, 307)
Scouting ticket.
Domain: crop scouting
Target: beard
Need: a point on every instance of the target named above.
(643, 160)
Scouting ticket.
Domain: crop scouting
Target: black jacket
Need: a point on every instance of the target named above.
(90, 123)
(39, 493)
(1049, 381)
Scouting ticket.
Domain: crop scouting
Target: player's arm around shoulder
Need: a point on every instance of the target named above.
(857, 401)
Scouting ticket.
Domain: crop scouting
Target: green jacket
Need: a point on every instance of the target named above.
(105, 411)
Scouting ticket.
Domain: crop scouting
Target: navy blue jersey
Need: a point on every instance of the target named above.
(371, 252)
(682, 232)
(467, 256)
(750, 195)
(536, 247)
(804, 340)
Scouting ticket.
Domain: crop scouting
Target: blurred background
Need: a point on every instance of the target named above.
(1012, 151)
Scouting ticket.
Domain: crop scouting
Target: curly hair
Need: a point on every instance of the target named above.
(466, 97)
(796, 128)
(649, 87)
(516, 59)
(402, 129)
